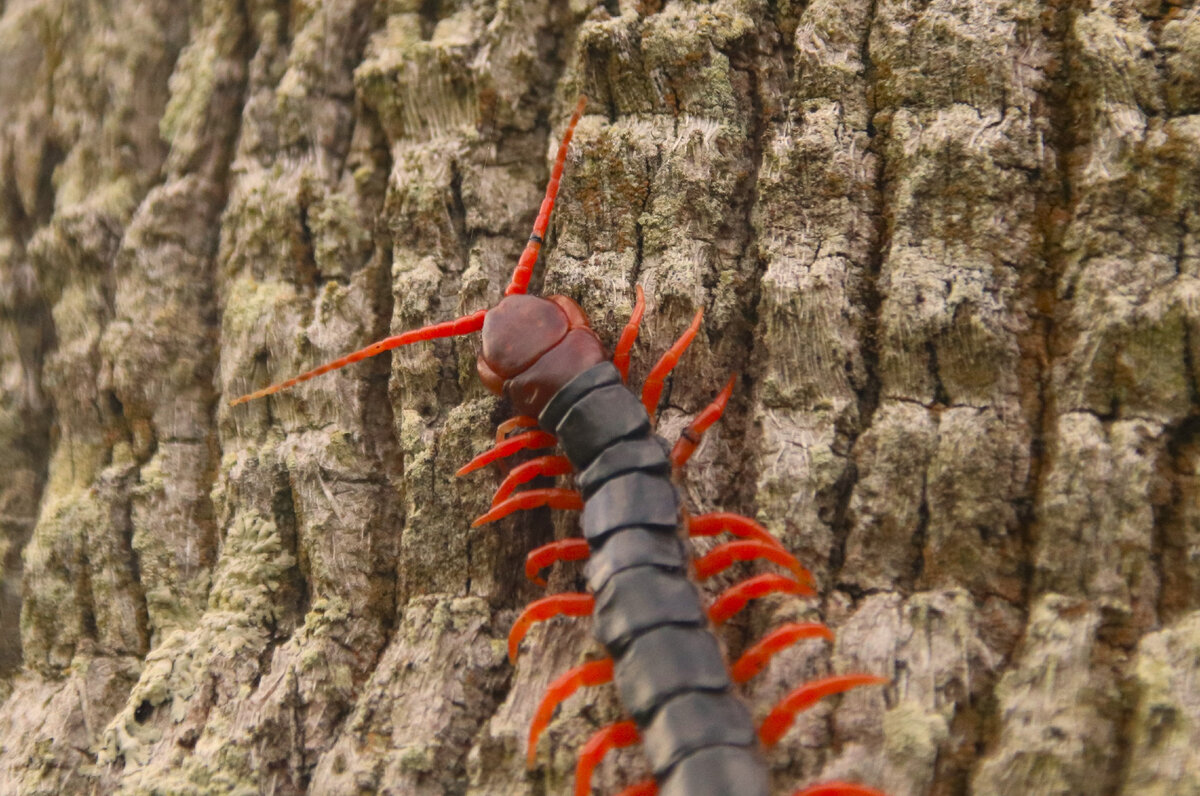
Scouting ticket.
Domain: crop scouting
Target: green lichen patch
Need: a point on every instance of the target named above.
(1166, 722)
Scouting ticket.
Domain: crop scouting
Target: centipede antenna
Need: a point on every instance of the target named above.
(455, 328)
(524, 270)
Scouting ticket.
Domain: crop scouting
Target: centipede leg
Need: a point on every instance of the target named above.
(652, 389)
(646, 787)
(554, 498)
(527, 471)
(838, 789)
(724, 556)
(525, 441)
(566, 604)
(629, 335)
(614, 736)
(689, 440)
(780, 719)
(733, 599)
(539, 558)
(588, 674)
(520, 421)
(754, 659)
(736, 524)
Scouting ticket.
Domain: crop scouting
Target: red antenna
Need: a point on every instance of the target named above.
(467, 323)
(458, 326)
(524, 269)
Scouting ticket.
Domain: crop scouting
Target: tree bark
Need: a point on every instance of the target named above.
(952, 250)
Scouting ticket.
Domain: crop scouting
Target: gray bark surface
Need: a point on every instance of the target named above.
(951, 246)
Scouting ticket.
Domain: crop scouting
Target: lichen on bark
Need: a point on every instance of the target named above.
(951, 248)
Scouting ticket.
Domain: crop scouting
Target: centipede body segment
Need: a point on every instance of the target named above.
(651, 618)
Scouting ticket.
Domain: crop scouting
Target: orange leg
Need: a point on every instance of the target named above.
(735, 597)
(652, 389)
(838, 789)
(592, 673)
(780, 719)
(629, 335)
(555, 498)
(520, 421)
(524, 269)
(644, 788)
(563, 550)
(754, 659)
(527, 471)
(736, 524)
(614, 736)
(724, 556)
(526, 441)
(566, 604)
(689, 440)
(455, 328)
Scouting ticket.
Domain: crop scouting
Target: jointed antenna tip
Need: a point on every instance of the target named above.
(524, 270)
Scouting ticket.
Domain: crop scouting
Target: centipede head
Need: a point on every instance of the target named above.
(532, 346)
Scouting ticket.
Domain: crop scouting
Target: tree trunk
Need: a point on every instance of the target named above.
(951, 249)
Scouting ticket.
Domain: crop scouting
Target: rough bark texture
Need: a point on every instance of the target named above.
(952, 246)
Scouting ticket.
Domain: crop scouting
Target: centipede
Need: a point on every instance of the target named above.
(678, 691)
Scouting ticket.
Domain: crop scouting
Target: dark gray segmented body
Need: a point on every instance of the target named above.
(669, 670)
